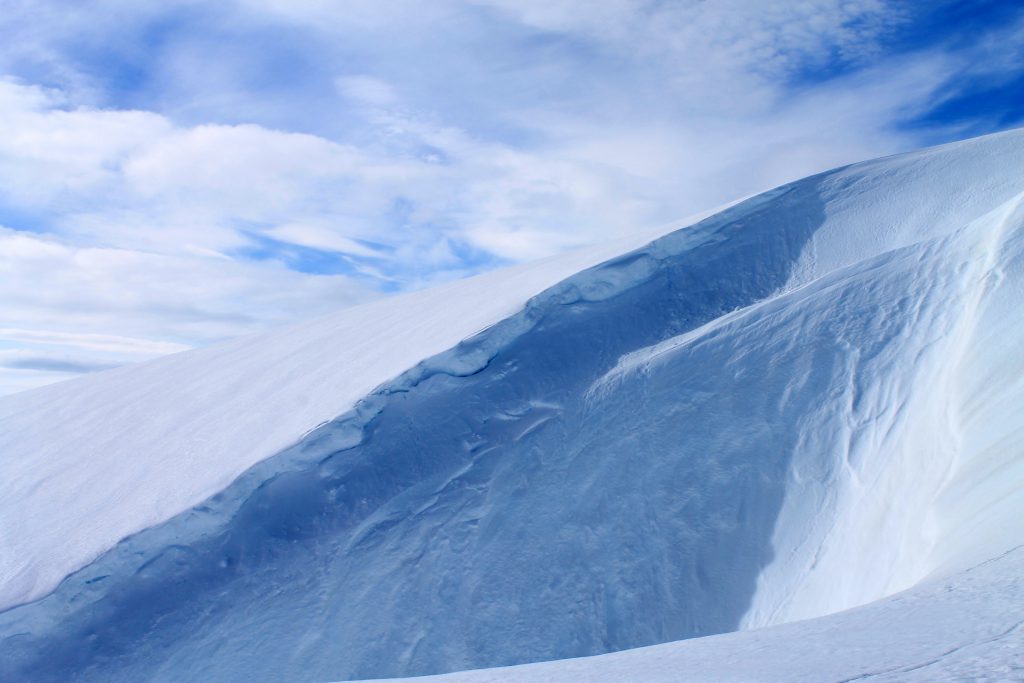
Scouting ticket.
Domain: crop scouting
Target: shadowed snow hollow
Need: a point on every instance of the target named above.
(802, 404)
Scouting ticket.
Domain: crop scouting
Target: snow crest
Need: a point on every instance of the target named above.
(805, 403)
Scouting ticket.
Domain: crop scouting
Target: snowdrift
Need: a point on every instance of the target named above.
(802, 404)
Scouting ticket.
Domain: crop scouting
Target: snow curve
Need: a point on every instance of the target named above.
(129, 448)
(802, 404)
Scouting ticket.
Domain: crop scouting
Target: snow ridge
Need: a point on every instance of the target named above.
(711, 432)
(366, 480)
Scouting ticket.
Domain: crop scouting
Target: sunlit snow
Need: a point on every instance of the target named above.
(806, 403)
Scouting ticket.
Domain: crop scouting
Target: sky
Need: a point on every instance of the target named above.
(179, 172)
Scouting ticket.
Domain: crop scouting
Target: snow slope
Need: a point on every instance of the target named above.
(129, 448)
(805, 403)
(967, 627)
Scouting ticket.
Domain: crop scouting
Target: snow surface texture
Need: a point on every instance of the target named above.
(961, 628)
(127, 449)
(802, 404)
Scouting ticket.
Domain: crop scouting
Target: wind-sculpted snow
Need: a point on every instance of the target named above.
(482, 509)
(807, 402)
(966, 627)
(129, 448)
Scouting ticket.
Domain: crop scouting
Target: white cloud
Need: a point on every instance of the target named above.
(320, 237)
(67, 305)
(407, 143)
(48, 151)
(94, 342)
(743, 39)
(368, 90)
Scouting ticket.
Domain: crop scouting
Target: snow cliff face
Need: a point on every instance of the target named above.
(799, 405)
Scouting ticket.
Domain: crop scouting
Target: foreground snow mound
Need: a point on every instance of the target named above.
(967, 627)
(802, 404)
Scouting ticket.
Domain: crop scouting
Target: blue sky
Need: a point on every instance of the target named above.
(180, 172)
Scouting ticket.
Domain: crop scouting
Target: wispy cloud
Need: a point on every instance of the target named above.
(181, 172)
(103, 306)
(24, 361)
(94, 342)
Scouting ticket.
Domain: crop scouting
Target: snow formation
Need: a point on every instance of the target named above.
(132, 447)
(802, 404)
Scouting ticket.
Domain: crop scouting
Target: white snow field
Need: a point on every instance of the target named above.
(806, 403)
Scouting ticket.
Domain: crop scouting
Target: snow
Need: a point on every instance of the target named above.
(968, 627)
(804, 404)
(126, 449)
(899, 445)
(965, 628)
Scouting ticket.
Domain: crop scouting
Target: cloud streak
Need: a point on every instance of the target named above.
(45, 364)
